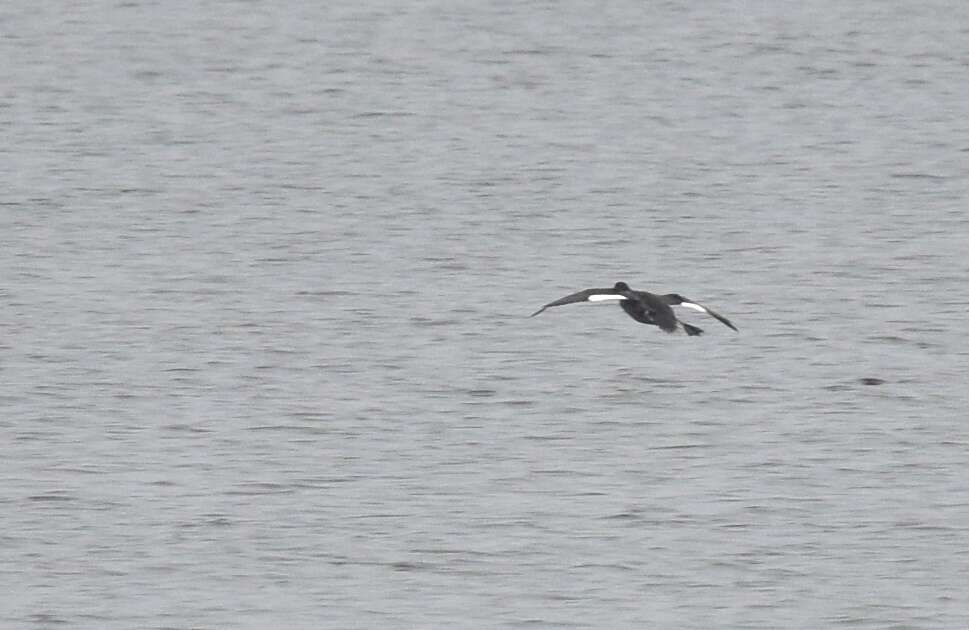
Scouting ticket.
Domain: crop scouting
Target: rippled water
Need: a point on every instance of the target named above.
(265, 358)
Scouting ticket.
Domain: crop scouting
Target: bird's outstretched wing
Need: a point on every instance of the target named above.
(588, 295)
(678, 300)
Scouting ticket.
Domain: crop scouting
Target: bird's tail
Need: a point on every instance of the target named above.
(691, 330)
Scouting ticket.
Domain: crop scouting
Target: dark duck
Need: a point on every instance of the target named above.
(644, 307)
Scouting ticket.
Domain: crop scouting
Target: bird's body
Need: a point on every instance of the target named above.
(644, 307)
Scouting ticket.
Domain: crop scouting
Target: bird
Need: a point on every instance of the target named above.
(644, 307)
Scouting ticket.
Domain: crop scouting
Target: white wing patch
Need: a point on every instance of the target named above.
(602, 297)
(691, 305)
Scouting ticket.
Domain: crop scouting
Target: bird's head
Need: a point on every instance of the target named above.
(621, 286)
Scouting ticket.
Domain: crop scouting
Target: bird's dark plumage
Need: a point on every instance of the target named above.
(674, 299)
(644, 307)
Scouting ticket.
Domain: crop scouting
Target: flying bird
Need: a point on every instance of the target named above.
(644, 307)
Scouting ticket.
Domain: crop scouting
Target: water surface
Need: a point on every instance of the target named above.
(265, 358)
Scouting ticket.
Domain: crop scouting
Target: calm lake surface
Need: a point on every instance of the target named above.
(265, 273)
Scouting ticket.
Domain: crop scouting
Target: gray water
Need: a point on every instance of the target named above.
(265, 272)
